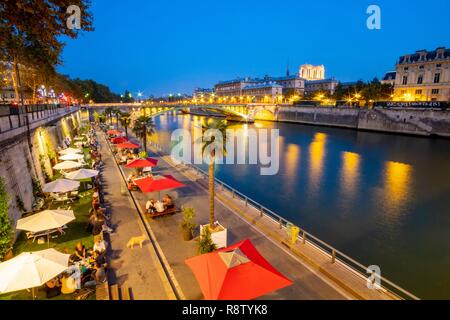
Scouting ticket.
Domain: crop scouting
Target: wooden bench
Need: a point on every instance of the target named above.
(125, 293)
(161, 214)
(114, 292)
(102, 291)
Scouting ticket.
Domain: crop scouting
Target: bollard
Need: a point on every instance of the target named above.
(281, 223)
(333, 256)
(304, 237)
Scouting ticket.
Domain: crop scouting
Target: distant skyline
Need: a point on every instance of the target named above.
(163, 47)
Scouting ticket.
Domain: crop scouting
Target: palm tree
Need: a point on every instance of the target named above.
(144, 126)
(116, 112)
(125, 121)
(221, 126)
(109, 112)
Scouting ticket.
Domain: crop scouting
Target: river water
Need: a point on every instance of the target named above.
(381, 199)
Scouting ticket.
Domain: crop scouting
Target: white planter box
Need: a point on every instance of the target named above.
(219, 238)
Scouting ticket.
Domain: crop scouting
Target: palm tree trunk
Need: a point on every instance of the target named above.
(126, 131)
(211, 194)
(145, 141)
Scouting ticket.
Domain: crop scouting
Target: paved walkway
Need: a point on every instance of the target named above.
(307, 284)
(139, 269)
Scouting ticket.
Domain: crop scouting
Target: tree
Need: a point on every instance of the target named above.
(144, 126)
(109, 113)
(116, 112)
(31, 33)
(127, 97)
(208, 147)
(125, 121)
(6, 233)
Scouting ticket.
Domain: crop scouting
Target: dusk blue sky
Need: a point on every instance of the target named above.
(162, 47)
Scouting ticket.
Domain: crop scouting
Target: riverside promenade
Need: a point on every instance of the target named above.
(137, 269)
(315, 276)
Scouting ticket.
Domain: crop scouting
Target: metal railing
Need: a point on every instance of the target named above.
(305, 237)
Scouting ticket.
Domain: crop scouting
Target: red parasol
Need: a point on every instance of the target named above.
(119, 140)
(238, 272)
(142, 163)
(127, 145)
(158, 183)
(113, 132)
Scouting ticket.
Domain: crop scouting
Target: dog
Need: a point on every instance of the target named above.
(136, 240)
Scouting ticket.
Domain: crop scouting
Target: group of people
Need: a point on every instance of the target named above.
(152, 206)
(87, 268)
(96, 157)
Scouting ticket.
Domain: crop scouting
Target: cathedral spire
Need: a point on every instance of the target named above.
(287, 69)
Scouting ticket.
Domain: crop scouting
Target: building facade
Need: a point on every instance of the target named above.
(310, 72)
(423, 76)
(200, 93)
(389, 78)
(328, 85)
(269, 92)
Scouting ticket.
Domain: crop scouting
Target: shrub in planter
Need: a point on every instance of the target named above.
(205, 243)
(187, 225)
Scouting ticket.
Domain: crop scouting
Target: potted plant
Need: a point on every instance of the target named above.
(205, 243)
(187, 225)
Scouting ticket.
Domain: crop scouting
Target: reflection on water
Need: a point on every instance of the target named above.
(350, 174)
(292, 160)
(316, 159)
(397, 179)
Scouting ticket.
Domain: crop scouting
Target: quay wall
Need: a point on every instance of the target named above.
(29, 154)
(423, 122)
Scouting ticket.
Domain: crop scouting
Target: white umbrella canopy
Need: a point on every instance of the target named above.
(70, 151)
(46, 220)
(67, 165)
(61, 186)
(82, 174)
(31, 269)
(71, 156)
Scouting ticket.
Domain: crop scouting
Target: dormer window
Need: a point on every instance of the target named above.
(438, 65)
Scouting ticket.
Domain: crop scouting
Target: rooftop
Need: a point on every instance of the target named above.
(424, 56)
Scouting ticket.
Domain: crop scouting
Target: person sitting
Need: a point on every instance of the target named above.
(98, 276)
(100, 246)
(68, 284)
(159, 206)
(168, 202)
(150, 206)
(100, 259)
(53, 288)
(80, 252)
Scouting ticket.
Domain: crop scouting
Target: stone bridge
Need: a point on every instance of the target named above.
(241, 112)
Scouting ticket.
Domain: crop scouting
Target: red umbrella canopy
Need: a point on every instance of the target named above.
(128, 145)
(238, 272)
(119, 140)
(113, 132)
(158, 183)
(142, 163)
